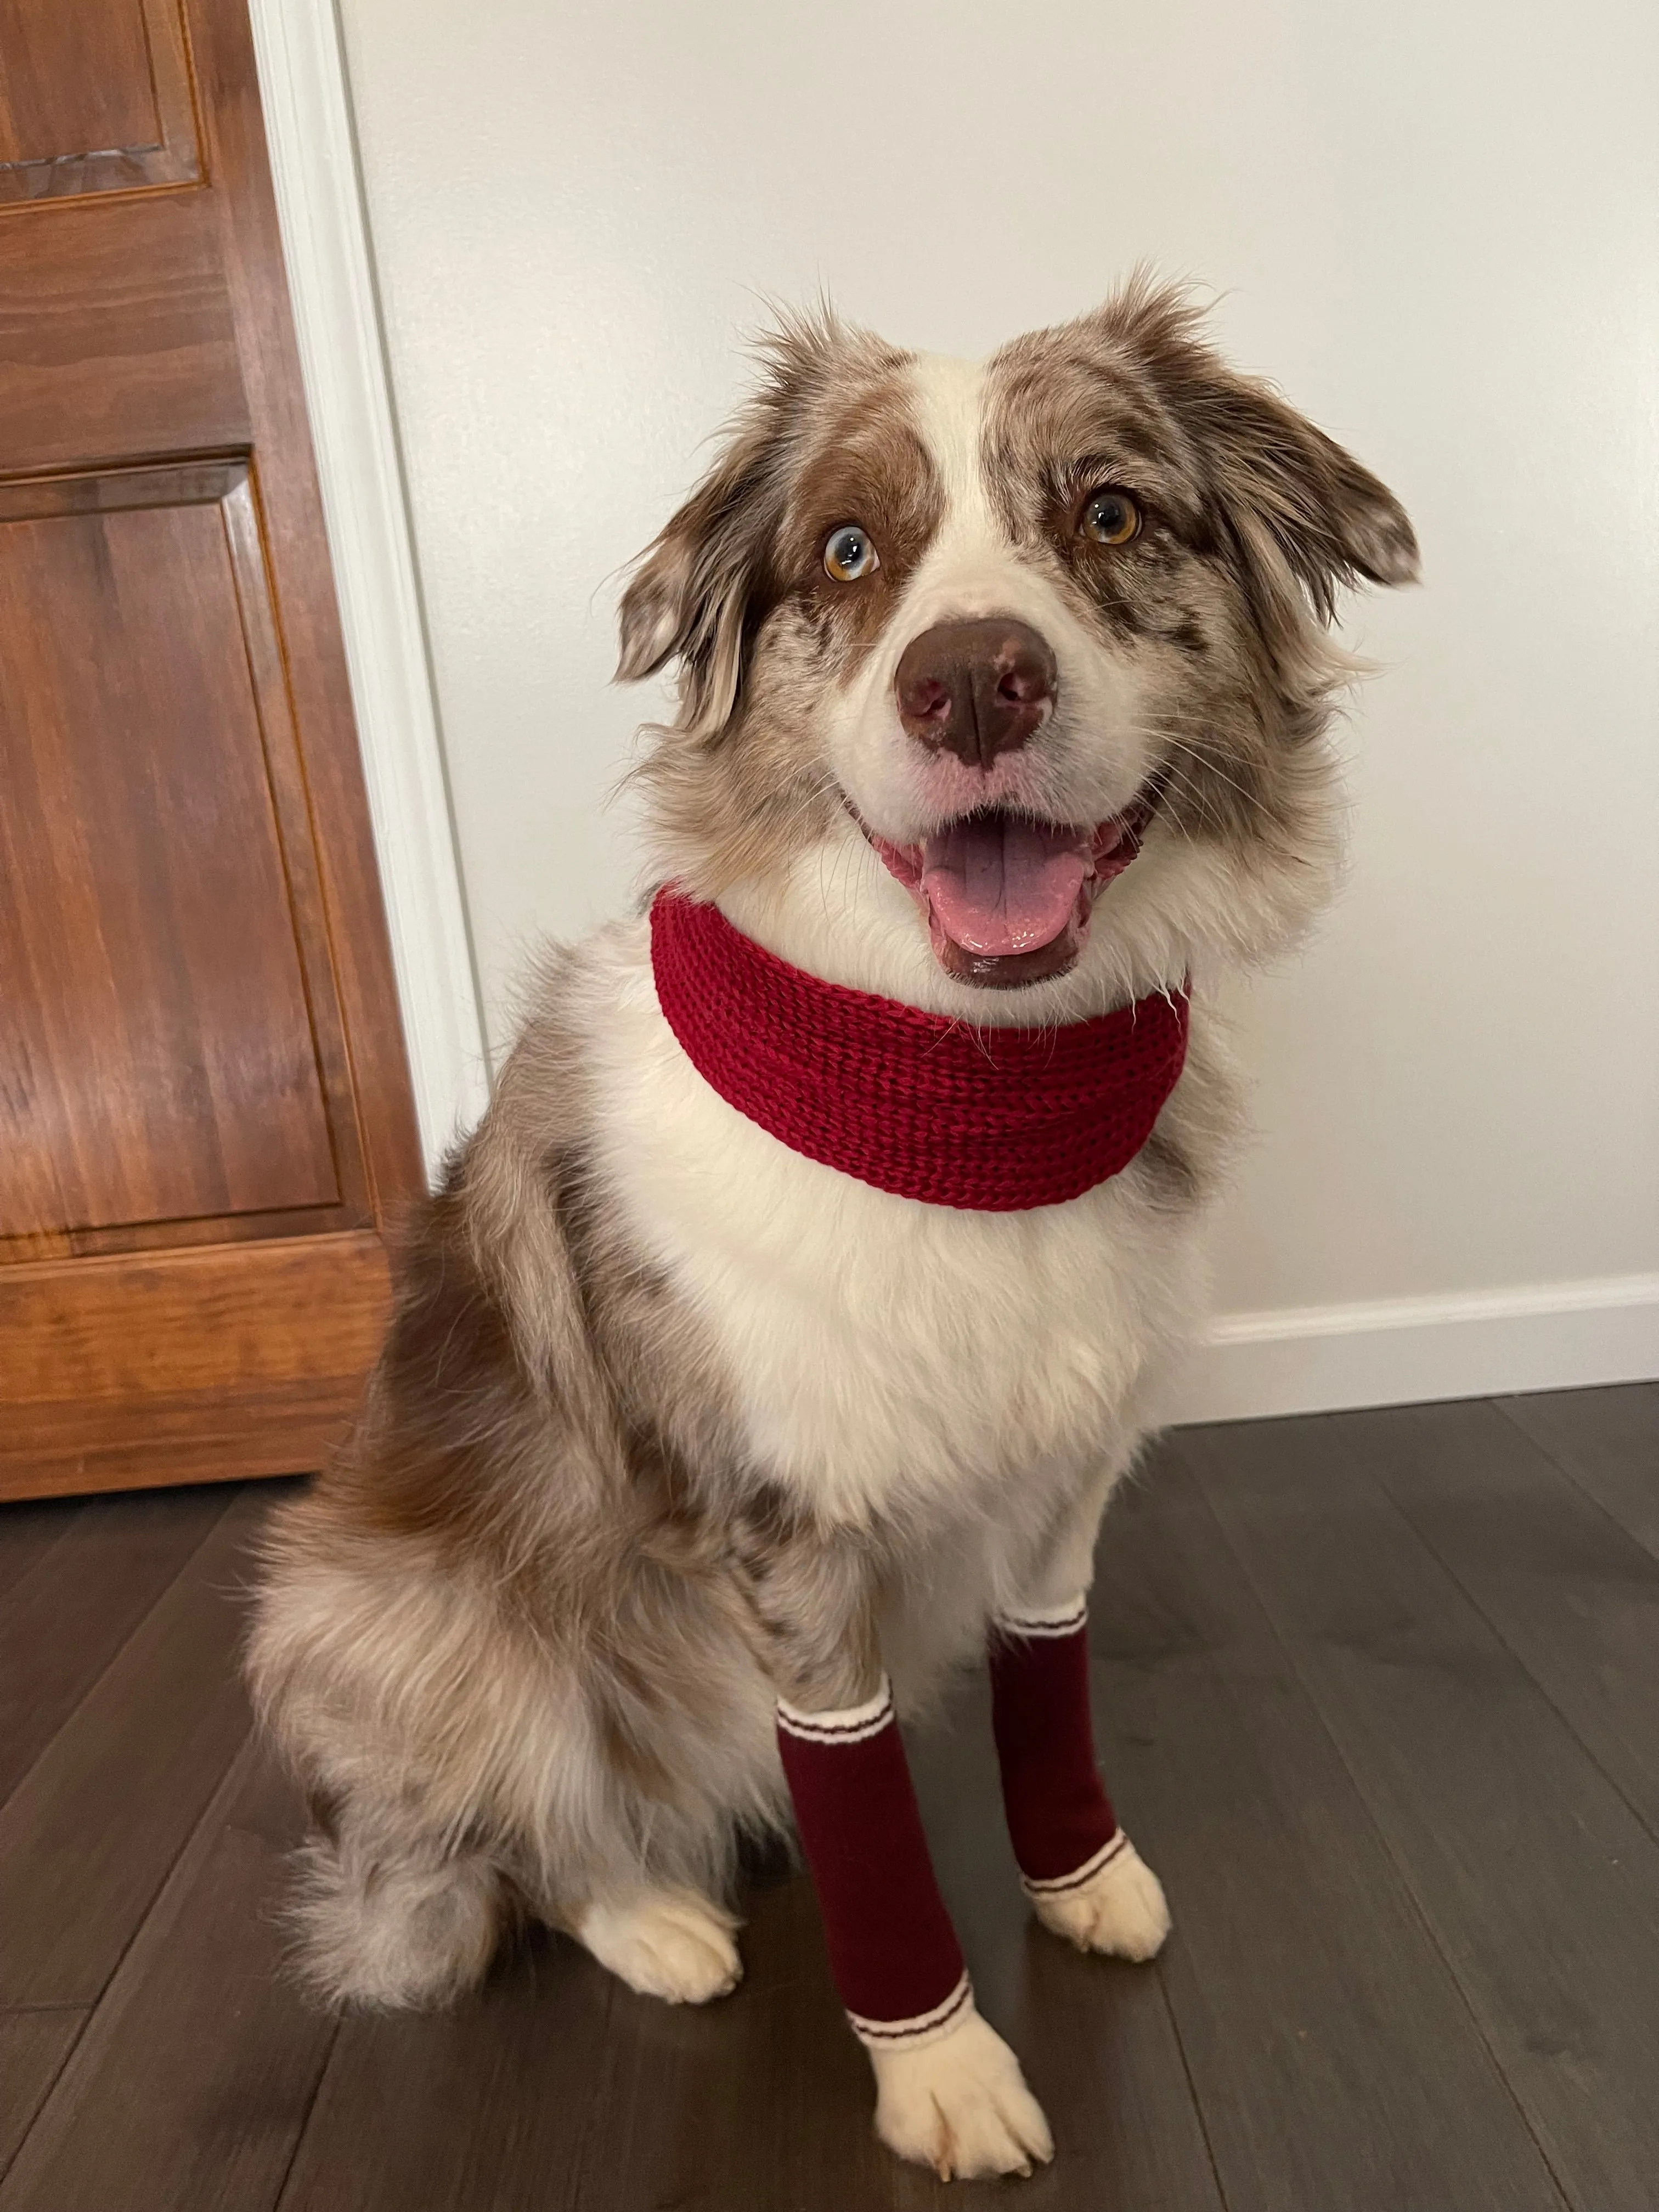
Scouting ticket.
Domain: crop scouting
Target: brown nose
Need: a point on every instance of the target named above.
(975, 689)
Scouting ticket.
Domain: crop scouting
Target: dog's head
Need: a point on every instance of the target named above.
(1048, 633)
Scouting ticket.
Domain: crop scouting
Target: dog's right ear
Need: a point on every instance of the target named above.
(701, 587)
(692, 591)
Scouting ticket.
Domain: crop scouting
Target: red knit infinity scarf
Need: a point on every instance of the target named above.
(993, 1120)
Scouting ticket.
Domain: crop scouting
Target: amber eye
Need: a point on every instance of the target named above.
(1111, 517)
(848, 554)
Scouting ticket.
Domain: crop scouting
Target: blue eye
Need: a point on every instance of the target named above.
(848, 554)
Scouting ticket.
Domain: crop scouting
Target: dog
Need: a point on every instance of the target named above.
(725, 1399)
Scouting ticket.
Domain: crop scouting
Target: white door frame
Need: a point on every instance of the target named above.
(313, 163)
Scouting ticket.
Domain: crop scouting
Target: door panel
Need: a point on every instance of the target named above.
(163, 374)
(94, 97)
(150, 1368)
(205, 1114)
(151, 990)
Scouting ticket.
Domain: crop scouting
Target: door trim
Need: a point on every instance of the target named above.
(313, 163)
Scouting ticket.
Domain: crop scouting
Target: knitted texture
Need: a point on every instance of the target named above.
(994, 1120)
(893, 1952)
(1060, 1820)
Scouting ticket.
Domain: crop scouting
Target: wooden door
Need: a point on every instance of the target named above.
(205, 1113)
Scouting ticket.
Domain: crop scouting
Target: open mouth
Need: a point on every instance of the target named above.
(1006, 899)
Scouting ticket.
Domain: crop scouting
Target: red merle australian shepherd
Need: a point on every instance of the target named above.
(774, 1345)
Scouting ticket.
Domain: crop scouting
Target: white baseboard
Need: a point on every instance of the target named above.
(1472, 1344)
(348, 397)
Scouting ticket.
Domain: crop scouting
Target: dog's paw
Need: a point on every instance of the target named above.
(668, 1943)
(960, 2105)
(1120, 1908)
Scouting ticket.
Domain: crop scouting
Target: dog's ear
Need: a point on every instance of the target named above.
(702, 586)
(1301, 510)
(1294, 493)
(691, 590)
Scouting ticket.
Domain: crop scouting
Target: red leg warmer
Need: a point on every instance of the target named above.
(893, 1952)
(1060, 1817)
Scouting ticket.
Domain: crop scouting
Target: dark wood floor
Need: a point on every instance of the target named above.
(1378, 1694)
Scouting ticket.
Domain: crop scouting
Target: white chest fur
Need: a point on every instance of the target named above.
(891, 1358)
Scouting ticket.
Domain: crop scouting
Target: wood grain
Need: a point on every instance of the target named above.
(1329, 2045)
(154, 1022)
(162, 375)
(1539, 1882)
(267, 1314)
(222, 1434)
(88, 1836)
(203, 1047)
(1572, 1595)
(66, 1621)
(154, 1366)
(28, 1532)
(33, 2048)
(189, 2089)
(414, 2111)
(756, 2100)
(74, 79)
(93, 98)
(1608, 1441)
(171, 1016)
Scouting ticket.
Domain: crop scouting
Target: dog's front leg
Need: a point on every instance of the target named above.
(1084, 1876)
(949, 2091)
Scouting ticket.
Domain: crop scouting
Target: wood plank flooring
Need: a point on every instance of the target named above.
(1377, 1694)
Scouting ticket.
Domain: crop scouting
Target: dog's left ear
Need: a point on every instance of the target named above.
(699, 588)
(1307, 518)
(1293, 493)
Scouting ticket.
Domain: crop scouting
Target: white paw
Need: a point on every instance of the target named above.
(1121, 1909)
(668, 1943)
(960, 2105)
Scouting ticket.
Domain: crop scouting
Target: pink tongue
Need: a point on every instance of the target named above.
(997, 885)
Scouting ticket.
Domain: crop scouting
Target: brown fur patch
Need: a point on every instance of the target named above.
(701, 590)
(869, 467)
(735, 588)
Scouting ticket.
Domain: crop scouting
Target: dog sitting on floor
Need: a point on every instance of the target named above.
(780, 1333)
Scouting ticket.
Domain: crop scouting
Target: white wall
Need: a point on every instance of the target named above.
(1432, 221)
